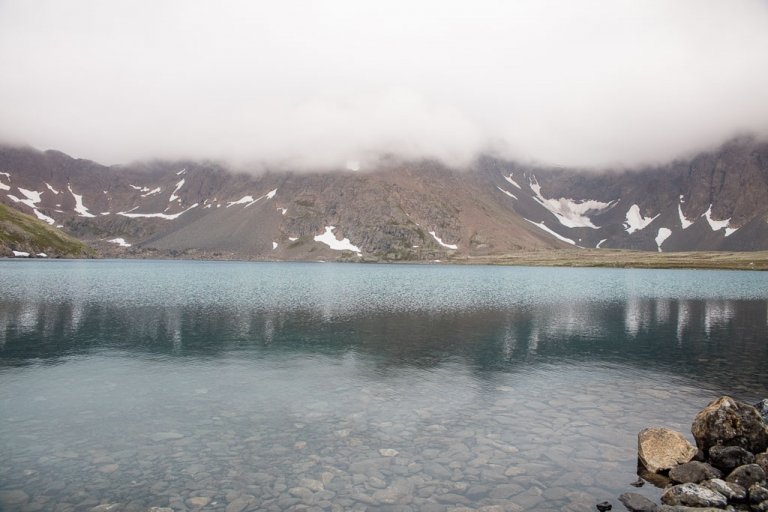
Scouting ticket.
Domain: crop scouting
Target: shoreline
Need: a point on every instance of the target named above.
(576, 258)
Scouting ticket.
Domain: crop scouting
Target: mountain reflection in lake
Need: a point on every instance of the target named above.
(280, 386)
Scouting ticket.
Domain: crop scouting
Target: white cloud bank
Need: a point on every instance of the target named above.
(307, 83)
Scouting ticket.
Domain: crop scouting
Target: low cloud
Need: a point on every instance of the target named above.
(315, 84)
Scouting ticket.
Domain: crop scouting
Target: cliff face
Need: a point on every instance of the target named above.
(399, 211)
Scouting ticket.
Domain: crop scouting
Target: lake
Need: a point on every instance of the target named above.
(303, 386)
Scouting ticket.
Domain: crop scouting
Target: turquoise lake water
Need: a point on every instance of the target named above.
(290, 386)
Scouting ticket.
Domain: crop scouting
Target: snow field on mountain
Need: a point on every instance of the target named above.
(329, 239)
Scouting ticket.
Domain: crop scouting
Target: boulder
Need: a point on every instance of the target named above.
(734, 492)
(762, 408)
(761, 459)
(681, 508)
(758, 494)
(693, 472)
(637, 502)
(693, 495)
(661, 448)
(747, 475)
(728, 422)
(728, 458)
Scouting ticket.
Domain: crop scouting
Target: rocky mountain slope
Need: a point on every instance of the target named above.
(23, 236)
(397, 211)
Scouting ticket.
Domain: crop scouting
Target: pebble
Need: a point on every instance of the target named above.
(429, 457)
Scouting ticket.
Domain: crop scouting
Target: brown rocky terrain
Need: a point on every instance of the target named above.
(397, 211)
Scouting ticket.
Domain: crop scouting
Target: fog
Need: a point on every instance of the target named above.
(311, 84)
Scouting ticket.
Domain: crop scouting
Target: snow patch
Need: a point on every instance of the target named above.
(730, 231)
(41, 255)
(40, 215)
(570, 213)
(293, 238)
(274, 245)
(183, 171)
(353, 165)
(635, 221)
(685, 223)
(249, 200)
(140, 189)
(714, 224)
(662, 235)
(52, 189)
(80, 208)
(32, 198)
(283, 210)
(543, 226)
(151, 192)
(601, 242)
(438, 240)
(20, 254)
(174, 197)
(120, 241)
(156, 215)
(512, 182)
(329, 239)
(513, 196)
(243, 200)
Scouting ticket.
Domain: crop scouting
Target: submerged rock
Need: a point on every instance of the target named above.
(693, 495)
(728, 458)
(662, 448)
(693, 472)
(13, 497)
(728, 422)
(637, 502)
(746, 475)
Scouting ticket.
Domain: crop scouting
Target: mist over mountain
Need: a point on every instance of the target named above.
(306, 86)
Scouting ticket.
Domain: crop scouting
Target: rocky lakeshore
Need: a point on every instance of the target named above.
(726, 470)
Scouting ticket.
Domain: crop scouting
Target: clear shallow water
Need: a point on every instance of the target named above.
(275, 386)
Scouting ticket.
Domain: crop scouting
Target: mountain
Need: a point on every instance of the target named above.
(24, 236)
(401, 210)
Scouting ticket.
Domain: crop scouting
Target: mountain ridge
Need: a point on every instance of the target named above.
(400, 211)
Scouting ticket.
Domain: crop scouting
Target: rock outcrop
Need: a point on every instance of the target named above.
(728, 422)
(731, 436)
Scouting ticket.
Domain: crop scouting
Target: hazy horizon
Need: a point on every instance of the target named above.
(305, 84)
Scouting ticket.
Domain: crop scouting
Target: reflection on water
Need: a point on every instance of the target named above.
(352, 387)
(682, 337)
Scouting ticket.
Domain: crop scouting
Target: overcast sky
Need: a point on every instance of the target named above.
(318, 83)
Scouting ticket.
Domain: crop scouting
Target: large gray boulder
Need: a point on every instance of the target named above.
(661, 448)
(693, 472)
(746, 475)
(693, 495)
(729, 422)
(728, 458)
